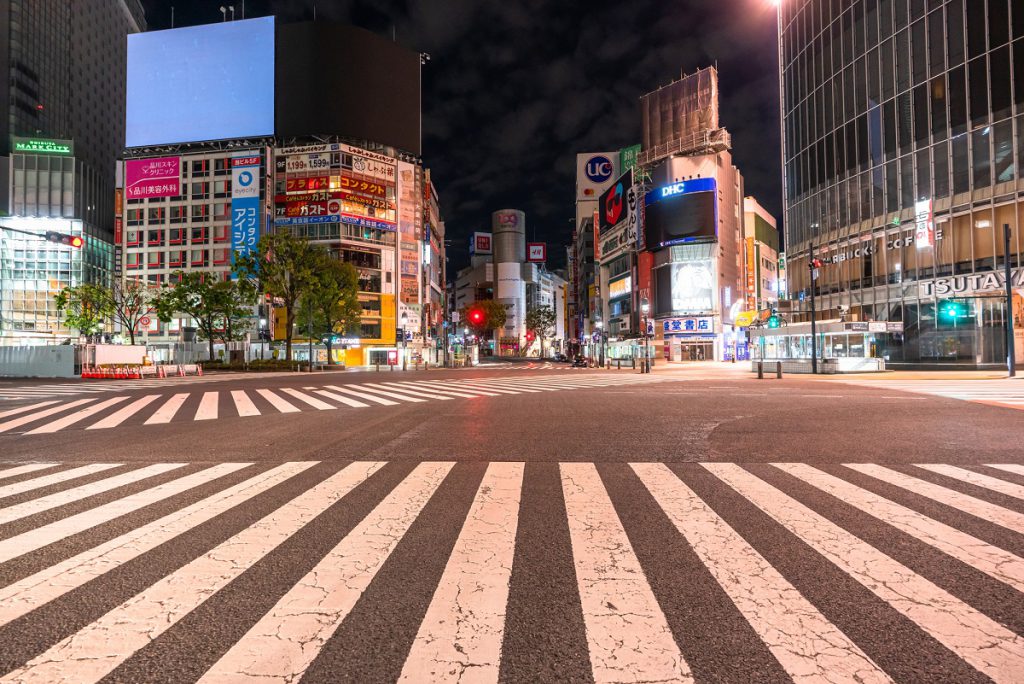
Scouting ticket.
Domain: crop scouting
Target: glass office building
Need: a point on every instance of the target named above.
(903, 138)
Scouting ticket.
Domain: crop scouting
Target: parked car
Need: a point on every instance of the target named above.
(560, 357)
(580, 362)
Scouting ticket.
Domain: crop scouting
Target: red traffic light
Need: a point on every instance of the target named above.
(476, 317)
(816, 263)
(64, 239)
(529, 336)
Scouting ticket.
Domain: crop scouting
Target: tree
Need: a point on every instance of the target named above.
(131, 301)
(494, 317)
(87, 307)
(541, 320)
(217, 306)
(285, 267)
(332, 303)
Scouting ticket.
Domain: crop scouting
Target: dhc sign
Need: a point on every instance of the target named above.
(687, 186)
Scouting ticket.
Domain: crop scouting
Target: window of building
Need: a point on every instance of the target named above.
(981, 158)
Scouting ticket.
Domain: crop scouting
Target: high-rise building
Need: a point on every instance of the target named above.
(761, 256)
(62, 101)
(903, 139)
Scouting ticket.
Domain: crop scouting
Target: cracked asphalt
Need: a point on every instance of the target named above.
(702, 527)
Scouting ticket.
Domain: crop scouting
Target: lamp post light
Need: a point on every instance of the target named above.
(405, 346)
(645, 363)
(599, 324)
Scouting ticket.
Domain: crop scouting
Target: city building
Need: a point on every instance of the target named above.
(902, 145)
(595, 172)
(269, 155)
(693, 225)
(761, 256)
(62, 112)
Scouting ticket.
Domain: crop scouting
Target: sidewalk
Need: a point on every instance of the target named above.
(742, 369)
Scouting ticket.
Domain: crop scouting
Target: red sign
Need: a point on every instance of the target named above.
(536, 252)
(364, 186)
(315, 183)
(375, 202)
(118, 230)
(159, 177)
(392, 357)
(322, 196)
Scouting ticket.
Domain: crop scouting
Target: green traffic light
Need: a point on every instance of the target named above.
(773, 321)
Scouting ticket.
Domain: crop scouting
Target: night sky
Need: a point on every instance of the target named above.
(514, 89)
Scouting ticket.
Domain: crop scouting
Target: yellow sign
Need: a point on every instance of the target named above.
(745, 318)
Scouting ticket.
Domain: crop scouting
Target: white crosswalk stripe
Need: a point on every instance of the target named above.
(207, 405)
(459, 632)
(1005, 392)
(14, 392)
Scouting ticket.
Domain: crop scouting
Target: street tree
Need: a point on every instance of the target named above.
(218, 307)
(541, 321)
(131, 301)
(494, 316)
(86, 307)
(331, 305)
(285, 268)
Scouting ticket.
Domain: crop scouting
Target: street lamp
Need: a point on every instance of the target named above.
(645, 364)
(405, 346)
(599, 324)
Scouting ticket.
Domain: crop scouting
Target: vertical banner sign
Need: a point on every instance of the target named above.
(924, 235)
(751, 275)
(245, 203)
(597, 235)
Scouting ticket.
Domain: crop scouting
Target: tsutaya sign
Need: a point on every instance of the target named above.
(992, 281)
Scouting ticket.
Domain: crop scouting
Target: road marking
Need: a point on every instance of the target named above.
(976, 479)
(406, 390)
(807, 645)
(364, 395)
(465, 623)
(962, 502)
(439, 388)
(98, 648)
(55, 478)
(1008, 467)
(490, 387)
(18, 422)
(243, 404)
(25, 469)
(45, 503)
(18, 545)
(123, 414)
(207, 406)
(75, 417)
(22, 409)
(628, 635)
(167, 411)
(46, 585)
(393, 395)
(288, 638)
(312, 401)
(983, 643)
(338, 398)
(277, 402)
(993, 561)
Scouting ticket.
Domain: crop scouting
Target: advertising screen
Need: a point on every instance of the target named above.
(676, 216)
(209, 82)
(683, 288)
(335, 79)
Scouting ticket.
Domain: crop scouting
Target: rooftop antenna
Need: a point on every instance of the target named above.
(223, 13)
(232, 8)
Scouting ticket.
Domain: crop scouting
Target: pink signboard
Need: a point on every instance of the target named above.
(159, 177)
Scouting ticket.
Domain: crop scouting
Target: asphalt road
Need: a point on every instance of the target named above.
(517, 524)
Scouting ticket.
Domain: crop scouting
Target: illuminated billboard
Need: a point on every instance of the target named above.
(160, 177)
(684, 288)
(209, 82)
(681, 212)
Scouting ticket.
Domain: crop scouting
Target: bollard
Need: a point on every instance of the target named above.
(634, 362)
(392, 368)
(778, 370)
(618, 364)
(760, 370)
(378, 366)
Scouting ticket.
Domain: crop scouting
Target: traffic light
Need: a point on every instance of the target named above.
(476, 317)
(529, 336)
(63, 239)
(816, 263)
(773, 320)
(951, 311)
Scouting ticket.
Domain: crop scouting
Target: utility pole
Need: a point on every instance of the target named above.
(1011, 361)
(812, 264)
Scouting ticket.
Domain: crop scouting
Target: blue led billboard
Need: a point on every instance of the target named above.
(209, 82)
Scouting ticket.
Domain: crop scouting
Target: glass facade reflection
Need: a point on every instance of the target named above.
(903, 129)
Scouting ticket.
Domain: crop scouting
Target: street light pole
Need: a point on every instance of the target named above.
(645, 308)
(405, 345)
(814, 326)
(1011, 361)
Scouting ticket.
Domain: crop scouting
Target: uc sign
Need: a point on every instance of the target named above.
(598, 169)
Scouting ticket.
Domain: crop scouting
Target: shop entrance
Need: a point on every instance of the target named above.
(697, 351)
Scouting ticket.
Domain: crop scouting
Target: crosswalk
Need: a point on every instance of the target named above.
(574, 571)
(1008, 393)
(89, 413)
(15, 392)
